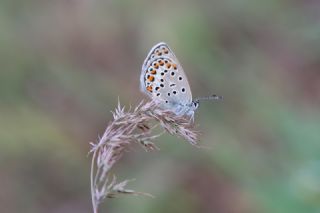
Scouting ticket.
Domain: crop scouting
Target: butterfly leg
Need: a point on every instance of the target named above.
(191, 120)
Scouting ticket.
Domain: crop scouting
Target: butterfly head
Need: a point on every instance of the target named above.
(194, 105)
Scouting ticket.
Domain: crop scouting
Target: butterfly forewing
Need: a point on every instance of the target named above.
(159, 50)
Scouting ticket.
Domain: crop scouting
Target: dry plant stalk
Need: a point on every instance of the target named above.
(127, 128)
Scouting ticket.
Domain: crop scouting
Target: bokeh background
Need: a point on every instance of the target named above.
(64, 63)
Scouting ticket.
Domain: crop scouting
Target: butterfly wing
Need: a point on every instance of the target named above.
(163, 79)
(158, 50)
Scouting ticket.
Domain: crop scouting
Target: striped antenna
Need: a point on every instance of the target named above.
(211, 97)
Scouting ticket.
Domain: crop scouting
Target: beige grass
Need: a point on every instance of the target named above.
(136, 126)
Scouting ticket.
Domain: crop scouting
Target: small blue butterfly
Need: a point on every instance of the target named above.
(163, 79)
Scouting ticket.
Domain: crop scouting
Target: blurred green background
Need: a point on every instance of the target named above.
(64, 63)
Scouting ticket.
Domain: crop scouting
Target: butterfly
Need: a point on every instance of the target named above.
(164, 81)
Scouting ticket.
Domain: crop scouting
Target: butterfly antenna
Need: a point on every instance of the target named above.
(211, 97)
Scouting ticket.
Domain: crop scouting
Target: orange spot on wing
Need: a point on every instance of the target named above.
(156, 65)
(161, 63)
(151, 78)
(174, 66)
(153, 72)
(149, 88)
(168, 65)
